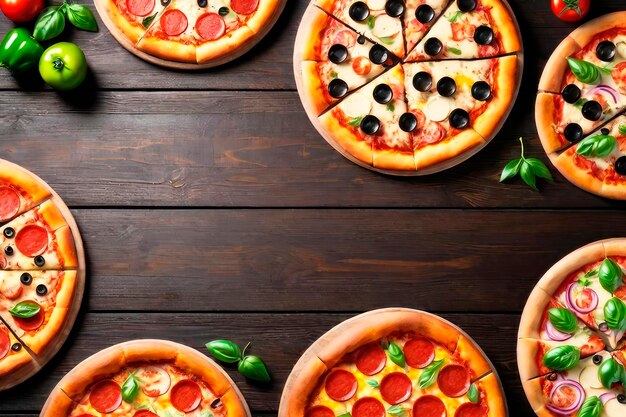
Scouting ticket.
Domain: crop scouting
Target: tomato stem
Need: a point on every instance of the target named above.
(58, 64)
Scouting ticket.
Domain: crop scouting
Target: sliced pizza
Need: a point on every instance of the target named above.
(19, 192)
(470, 29)
(12, 353)
(133, 17)
(419, 16)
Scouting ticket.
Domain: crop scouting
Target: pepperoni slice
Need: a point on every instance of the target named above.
(361, 65)
(244, 6)
(145, 413)
(470, 410)
(5, 345)
(346, 38)
(211, 26)
(186, 396)
(419, 352)
(320, 411)
(32, 323)
(340, 385)
(9, 203)
(32, 240)
(395, 388)
(174, 22)
(140, 7)
(106, 396)
(86, 415)
(371, 359)
(429, 406)
(368, 407)
(155, 381)
(453, 380)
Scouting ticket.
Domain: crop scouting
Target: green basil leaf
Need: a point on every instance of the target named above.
(453, 50)
(610, 275)
(50, 24)
(473, 394)
(622, 129)
(25, 310)
(147, 21)
(610, 372)
(373, 383)
(130, 389)
(539, 168)
(333, 74)
(579, 104)
(224, 350)
(345, 415)
(562, 358)
(429, 375)
(605, 145)
(396, 355)
(371, 22)
(584, 282)
(253, 367)
(80, 16)
(397, 410)
(584, 71)
(391, 107)
(585, 147)
(511, 169)
(615, 314)
(591, 273)
(455, 16)
(592, 407)
(563, 320)
(355, 121)
(528, 175)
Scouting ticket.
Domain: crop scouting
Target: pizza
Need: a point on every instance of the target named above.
(571, 335)
(393, 362)
(146, 378)
(193, 32)
(373, 92)
(580, 106)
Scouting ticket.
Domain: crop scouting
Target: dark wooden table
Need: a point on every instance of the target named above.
(210, 208)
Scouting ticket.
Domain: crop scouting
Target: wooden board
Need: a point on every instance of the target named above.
(26, 372)
(432, 169)
(221, 60)
(153, 343)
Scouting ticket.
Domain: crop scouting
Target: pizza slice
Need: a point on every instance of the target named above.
(379, 20)
(419, 16)
(470, 29)
(367, 123)
(38, 239)
(19, 192)
(12, 353)
(133, 17)
(35, 304)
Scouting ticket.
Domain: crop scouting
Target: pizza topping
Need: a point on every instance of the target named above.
(419, 352)
(466, 5)
(454, 380)
(446, 86)
(33, 322)
(566, 396)
(356, 105)
(408, 123)
(165, 3)
(433, 46)
(581, 299)
(106, 396)
(368, 407)
(470, 410)
(571, 93)
(9, 233)
(424, 13)
(378, 55)
(337, 88)
(145, 413)
(340, 385)
(573, 132)
(370, 125)
(620, 165)
(555, 334)
(155, 381)
(422, 81)
(223, 11)
(592, 110)
(174, 22)
(459, 119)
(337, 53)
(483, 35)
(395, 388)
(619, 76)
(359, 11)
(5, 343)
(11, 290)
(8, 251)
(16, 347)
(606, 51)
(203, 3)
(362, 65)
(395, 8)
(383, 94)
(361, 39)
(40, 261)
(41, 290)
(429, 406)
(320, 411)
(386, 26)
(621, 398)
(438, 108)
(211, 26)
(245, 7)
(9, 203)
(32, 240)
(26, 278)
(597, 359)
(371, 359)
(140, 7)
(481, 91)
(186, 396)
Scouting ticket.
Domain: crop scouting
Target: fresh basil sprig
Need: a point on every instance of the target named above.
(396, 355)
(562, 358)
(25, 310)
(563, 320)
(528, 168)
(429, 376)
(610, 275)
(130, 388)
(592, 407)
(397, 410)
(51, 21)
(584, 71)
(250, 366)
(611, 372)
(622, 129)
(253, 367)
(615, 314)
(598, 145)
(472, 394)
(224, 350)
(373, 383)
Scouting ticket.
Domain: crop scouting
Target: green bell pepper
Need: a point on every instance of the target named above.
(19, 51)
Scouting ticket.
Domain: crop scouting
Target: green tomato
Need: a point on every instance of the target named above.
(63, 66)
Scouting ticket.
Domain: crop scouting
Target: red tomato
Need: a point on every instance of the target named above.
(570, 10)
(21, 10)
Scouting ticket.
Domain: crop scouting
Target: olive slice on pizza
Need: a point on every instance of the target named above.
(12, 353)
(469, 29)
(19, 192)
(379, 20)
(419, 16)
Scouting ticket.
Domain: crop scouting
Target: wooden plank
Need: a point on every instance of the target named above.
(279, 338)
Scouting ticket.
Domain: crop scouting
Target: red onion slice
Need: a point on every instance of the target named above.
(580, 397)
(607, 396)
(605, 89)
(571, 300)
(555, 334)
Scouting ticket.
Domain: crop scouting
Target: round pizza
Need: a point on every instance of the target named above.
(571, 349)
(146, 378)
(40, 279)
(190, 31)
(411, 86)
(580, 106)
(393, 362)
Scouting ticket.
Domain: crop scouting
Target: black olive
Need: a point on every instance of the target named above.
(359, 11)
(597, 359)
(40, 261)
(370, 125)
(16, 347)
(361, 39)
(223, 11)
(459, 119)
(9, 251)
(552, 377)
(378, 55)
(202, 3)
(383, 94)
(337, 88)
(466, 5)
(571, 93)
(446, 86)
(433, 46)
(605, 131)
(573, 132)
(216, 403)
(165, 3)
(481, 91)
(620, 165)
(422, 81)
(483, 35)
(9, 233)
(592, 110)
(603, 327)
(26, 278)
(408, 122)
(606, 51)
(337, 53)
(424, 14)
(395, 8)
(621, 398)
(41, 290)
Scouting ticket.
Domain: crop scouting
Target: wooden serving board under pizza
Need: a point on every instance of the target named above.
(42, 274)
(394, 361)
(189, 34)
(407, 87)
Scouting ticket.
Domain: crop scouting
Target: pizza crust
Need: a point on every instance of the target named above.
(166, 49)
(346, 138)
(65, 295)
(503, 21)
(527, 351)
(316, 23)
(554, 72)
(564, 162)
(296, 394)
(614, 191)
(132, 32)
(534, 393)
(57, 405)
(66, 247)
(48, 332)
(544, 117)
(51, 215)
(533, 314)
(267, 10)
(314, 93)
(614, 247)
(496, 400)
(474, 356)
(14, 361)
(232, 402)
(584, 34)
(13, 174)
(198, 364)
(393, 159)
(208, 51)
(447, 149)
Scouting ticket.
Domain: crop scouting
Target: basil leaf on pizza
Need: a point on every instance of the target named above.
(473, 394)
(615, 314)
(147, 21)
(584, 71)
(562, 358)
(372, 383)
(355, 121)
(224, 350)
(396, 355)
(598, 145)
(253, 367)
(622, 129)
(592, 407)
(610, 372)
(397, 410)
(610, 275)
(429, 376)
(130, 388)
(25, 310)
(345, 415)
(563, 320)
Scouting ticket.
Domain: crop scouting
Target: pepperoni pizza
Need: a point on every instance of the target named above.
(572, 333)
(146, 378)
(396, 362)
(189, 31)
(459, 63)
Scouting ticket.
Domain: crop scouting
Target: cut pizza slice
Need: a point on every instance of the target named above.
(19, 192)
(419, 16)
(470, 29)
(379, 20)
(38, 239)
(133, 17)
(12, 353)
